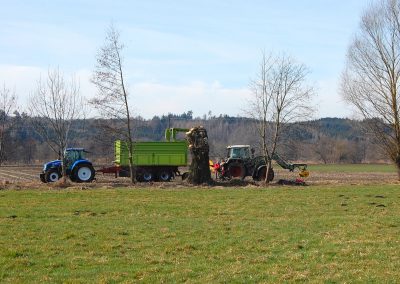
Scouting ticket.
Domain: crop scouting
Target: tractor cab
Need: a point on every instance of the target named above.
(239, 152)
(74, 154)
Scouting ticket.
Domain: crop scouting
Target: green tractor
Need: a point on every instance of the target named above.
(241, 162)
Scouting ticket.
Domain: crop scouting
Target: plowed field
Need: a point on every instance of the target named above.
(22, 176)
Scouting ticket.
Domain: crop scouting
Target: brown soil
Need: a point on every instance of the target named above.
(28, 178)
(340, 178)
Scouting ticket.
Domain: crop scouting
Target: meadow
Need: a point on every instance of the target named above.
(277, 234)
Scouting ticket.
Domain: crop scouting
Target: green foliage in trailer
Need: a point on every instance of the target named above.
(152, 153)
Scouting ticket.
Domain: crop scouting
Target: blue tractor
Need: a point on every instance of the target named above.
(78, 168)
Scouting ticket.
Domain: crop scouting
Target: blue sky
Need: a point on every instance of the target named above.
(180, 55)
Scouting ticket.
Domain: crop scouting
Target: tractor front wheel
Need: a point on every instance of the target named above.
(83, 173)
(52, 175)
(262, 172)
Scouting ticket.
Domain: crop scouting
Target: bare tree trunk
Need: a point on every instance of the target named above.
(132, 170)
(268, 171)
(128, 115)
(2, 154)
(64, 168)
(272, 152)
(398, 166)
(199, 171)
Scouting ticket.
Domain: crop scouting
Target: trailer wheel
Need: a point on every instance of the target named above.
(147, 176)
(52, 175)
(165, 175)
(185, 175)
(84, 173)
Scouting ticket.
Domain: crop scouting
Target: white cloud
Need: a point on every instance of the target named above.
(328, 100)
(87, 89)
(152, 98)
(147, 98)
(23, 79)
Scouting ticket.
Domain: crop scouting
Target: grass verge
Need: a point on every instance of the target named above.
(320, 234)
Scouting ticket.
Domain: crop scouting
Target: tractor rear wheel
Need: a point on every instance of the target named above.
(84, 173)
(52, 175)
(236, 170)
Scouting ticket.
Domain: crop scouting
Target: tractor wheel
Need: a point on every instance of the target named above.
(263, 171)
(52, 175)
(83, 173)
(236, 170)
(185, 175)
(42, 178)
(147, 176)
(165, 175)
(73, 178)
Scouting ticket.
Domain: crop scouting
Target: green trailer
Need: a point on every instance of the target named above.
(152, 160)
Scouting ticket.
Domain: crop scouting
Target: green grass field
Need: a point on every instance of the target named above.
(353, 168)
(318, 234)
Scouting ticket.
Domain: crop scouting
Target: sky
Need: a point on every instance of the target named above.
(180, 55)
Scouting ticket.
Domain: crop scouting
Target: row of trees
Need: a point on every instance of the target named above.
(328, 140)
(8, 103)
(281, 95)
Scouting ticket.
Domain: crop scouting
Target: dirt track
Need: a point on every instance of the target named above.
(28, 177)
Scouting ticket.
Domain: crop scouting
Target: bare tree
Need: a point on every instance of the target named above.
(112, 98)
(53, 107)
(370, 81)
(8, 103)
(280, 96)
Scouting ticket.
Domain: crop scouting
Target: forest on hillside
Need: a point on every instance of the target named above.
(326, 140)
